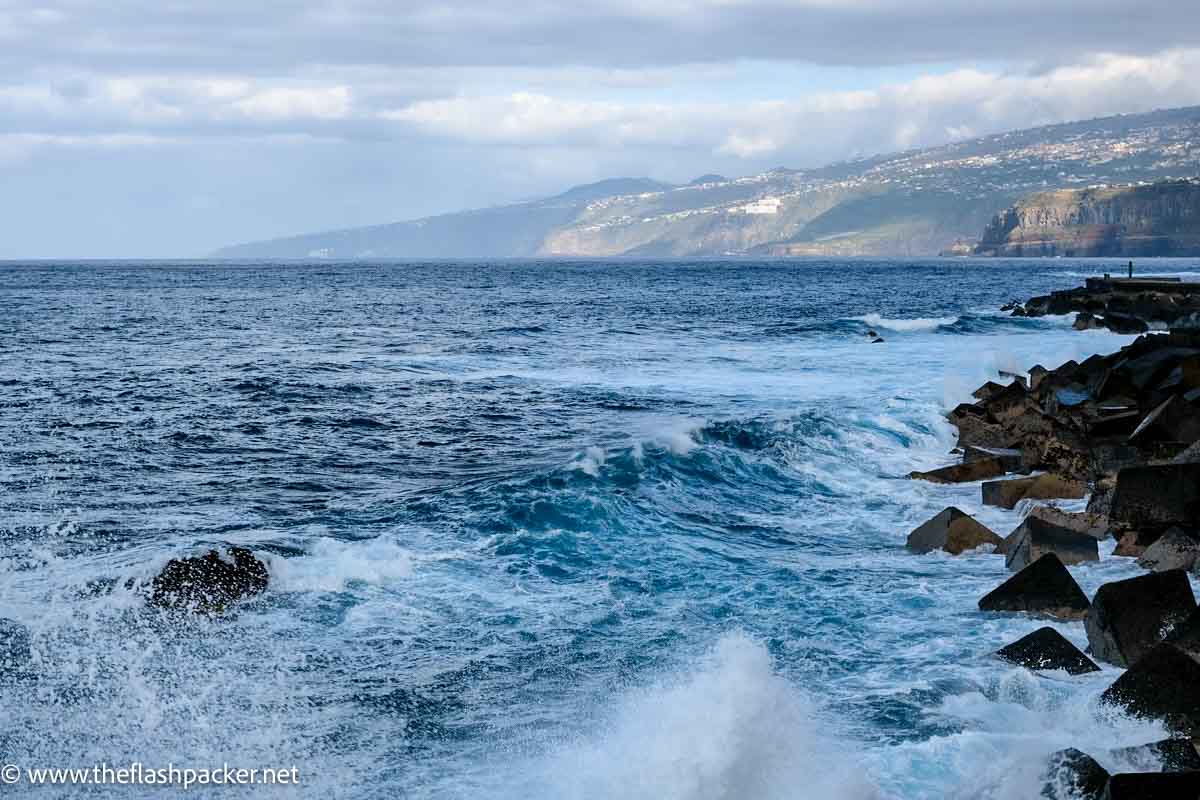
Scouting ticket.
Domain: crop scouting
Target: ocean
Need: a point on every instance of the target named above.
(535, 529)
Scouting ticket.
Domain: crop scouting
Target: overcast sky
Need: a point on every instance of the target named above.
(143, 128)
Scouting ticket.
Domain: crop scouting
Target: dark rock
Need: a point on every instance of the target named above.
(1123, 323)
(209, 583)
(1074, 775)
(1129, 617)
(1007, 494)
(953, 531)
(1172, 420)
(1145, 371)
(1164, 684)
(1035, 537)
(1153, 786)
(1168, 755)
(987, 391)
(877, 340)
(1117, 423)
(1043, 587)
(1036, 373)
(1158, 496)
(1173, 550)
(1047, 649)
(966, 472)
(1086, 321)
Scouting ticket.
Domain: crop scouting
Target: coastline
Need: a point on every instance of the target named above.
(1118, 435)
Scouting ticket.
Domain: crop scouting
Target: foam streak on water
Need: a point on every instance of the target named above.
(534, 530)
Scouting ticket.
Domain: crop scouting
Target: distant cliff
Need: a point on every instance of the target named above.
(918, 203)
(1158, 219)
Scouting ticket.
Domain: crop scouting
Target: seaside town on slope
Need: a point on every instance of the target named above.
(1122, 430)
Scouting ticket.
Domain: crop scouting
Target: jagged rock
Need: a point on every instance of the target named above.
(987, 391)
(1009, 457)
(1085, 522)
(209, 583)
(1129, 617)
(974, 428)
(1163, 684)
(1011, 401)
(1173, 550)
(1153, 786)
(14, 647)
(1008, 493)
(1086, 321)
(1047, 649)
(966, 472)
(1167, 755)
(1073, 775)
(1158, 497)
(1044, 587)
(953, 531)
(1035, 537)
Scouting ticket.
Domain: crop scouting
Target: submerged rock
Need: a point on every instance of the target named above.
(1129, 617)
(951, 530)
(1047, 649)
(1035, 537)
(1074, 775)
(209, 583)
(1173, 550)
(1043, 587)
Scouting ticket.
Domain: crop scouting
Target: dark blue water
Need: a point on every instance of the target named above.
(534, 529)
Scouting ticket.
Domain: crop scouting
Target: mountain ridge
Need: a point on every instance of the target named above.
(913, 203)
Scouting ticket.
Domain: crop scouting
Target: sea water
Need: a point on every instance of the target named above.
(535, 530)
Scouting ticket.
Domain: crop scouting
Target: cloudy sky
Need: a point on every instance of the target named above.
(144, 128)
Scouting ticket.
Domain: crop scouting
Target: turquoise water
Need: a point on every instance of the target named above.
(547, 530)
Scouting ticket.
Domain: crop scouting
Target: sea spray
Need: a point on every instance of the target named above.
(729, 727)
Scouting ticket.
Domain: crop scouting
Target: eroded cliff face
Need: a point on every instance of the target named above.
(1159, 219)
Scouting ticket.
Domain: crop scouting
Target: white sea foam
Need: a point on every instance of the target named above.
(907, 325)
(731, 728)
(333, 565)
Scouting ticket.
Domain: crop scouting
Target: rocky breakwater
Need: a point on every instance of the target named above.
(1123, 431)
(1123, 305)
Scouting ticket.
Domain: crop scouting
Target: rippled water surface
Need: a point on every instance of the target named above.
(535, 530)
